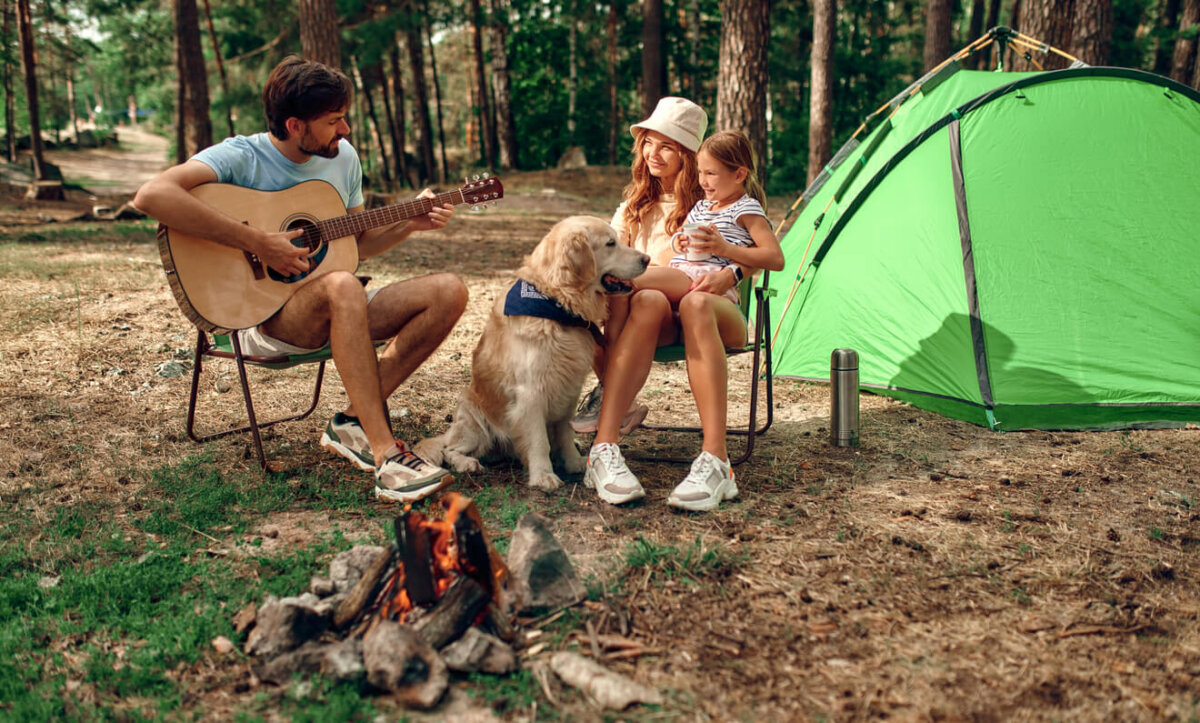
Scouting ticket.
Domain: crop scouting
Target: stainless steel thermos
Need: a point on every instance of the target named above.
(843, 392)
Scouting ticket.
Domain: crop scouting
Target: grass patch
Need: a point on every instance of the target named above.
(95, 618)
(688, 564)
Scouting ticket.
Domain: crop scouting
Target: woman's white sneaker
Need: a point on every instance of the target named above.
(607, 474)
(708, 483)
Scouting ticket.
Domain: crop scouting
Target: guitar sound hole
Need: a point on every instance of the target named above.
(310, 239)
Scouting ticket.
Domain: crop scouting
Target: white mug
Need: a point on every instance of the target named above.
(689, 254)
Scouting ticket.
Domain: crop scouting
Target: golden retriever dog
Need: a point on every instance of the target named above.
(527, 371)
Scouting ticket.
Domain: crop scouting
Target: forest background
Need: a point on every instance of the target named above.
(465, 85)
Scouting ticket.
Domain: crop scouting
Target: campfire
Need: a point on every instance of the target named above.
(445, 576)
(437, 599)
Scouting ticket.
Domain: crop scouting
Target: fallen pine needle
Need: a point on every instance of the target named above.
(1100, 630)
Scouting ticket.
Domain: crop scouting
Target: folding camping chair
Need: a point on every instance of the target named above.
(760, 347)
(223, 346)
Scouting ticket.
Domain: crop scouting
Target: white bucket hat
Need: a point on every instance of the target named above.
(679, 119)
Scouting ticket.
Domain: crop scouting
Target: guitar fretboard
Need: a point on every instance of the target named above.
(354, 223)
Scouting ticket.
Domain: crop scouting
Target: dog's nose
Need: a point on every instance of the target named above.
(645, 261)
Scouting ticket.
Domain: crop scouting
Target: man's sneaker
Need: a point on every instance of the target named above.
(405, 477)
(608, 475)
(708, 483)
(587, 416)
(345, 436)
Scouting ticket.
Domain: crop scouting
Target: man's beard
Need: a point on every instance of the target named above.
(330, 151)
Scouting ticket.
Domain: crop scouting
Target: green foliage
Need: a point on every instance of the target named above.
(689, 565)
(118, 608)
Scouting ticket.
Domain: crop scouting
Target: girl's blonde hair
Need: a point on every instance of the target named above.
(732, 150)
(644, 191)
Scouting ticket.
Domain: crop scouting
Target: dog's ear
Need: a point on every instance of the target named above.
(571, 263)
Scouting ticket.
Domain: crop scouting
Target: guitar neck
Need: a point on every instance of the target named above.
(355, 223)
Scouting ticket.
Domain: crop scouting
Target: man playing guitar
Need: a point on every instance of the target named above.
(306, 104)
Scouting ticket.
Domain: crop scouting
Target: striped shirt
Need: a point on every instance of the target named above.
(726, 221)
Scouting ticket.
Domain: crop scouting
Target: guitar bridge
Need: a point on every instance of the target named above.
(256, 266)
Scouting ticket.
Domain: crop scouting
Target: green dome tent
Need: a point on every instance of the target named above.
(1018, 250)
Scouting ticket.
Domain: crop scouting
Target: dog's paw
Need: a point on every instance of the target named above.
(574, 464)
(430, 450)
(462, 463)
(545, 481)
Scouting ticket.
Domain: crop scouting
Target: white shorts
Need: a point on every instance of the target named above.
(255, 343)
(696, 270)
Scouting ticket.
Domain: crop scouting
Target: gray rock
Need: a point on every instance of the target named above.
(171, 370)
(540, 566)
(344, 660)
(478, 651)
(397, 659)
(303, 661)
(348, 566)
(284, 625)
(573, 157)
(321, 586)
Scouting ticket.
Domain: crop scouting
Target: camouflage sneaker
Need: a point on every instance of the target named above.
(345, 436)
(587, 416)
(405, 477)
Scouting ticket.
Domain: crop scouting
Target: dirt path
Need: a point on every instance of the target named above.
(138, 157)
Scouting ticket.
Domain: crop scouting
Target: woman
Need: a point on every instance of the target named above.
(664, 188)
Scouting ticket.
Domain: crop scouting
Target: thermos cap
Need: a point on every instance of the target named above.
(843, 359)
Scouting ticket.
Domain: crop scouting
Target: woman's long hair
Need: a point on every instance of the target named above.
(644, 191)
(732, 150)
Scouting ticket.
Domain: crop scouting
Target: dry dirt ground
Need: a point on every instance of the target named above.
(938, 571)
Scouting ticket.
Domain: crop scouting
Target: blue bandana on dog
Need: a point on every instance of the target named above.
(524, 299)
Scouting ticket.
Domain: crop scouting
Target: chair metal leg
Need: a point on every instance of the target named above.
(253, 427)
(762, 336)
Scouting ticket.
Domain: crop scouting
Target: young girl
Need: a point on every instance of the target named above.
(733, 232)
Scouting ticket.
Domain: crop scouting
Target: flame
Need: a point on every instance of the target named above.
(446, 562)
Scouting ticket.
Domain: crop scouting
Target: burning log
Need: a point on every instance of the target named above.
(458, 610)
(363, 590)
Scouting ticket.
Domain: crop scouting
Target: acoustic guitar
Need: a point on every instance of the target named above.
(221, 288)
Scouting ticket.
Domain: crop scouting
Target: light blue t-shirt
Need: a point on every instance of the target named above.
(254, 162)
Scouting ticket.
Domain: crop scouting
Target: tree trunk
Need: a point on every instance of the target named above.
(614, 100)
(10, 98)
(365, 89)
(820, 114)
(437, 98)
(1168, 19)
(193, 81)
(1091, 37)
(1049, 21)
(693, 39)
(212, 37)
(1182, 60)
(486, 132)
(974, 30)
(416, 61)
(506, 127)
(319, 32)
(29, 61)
(937, 32)
(572, 74)
(742, 79)
(987, 58)
(654, 62)
(71, 112)
(396, 116)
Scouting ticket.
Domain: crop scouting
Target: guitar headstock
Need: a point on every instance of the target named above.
(480, 191)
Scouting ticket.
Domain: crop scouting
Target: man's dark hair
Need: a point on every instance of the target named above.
(304, 89)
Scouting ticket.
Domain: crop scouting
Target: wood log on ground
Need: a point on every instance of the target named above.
(455, 612)
(364, 590)
(45, 191)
